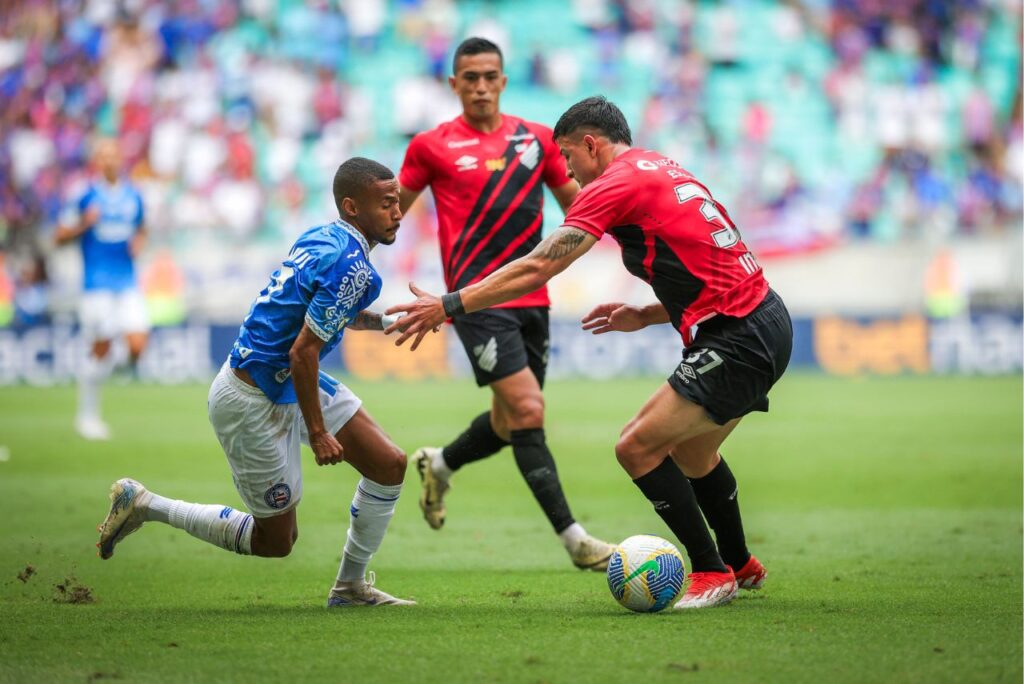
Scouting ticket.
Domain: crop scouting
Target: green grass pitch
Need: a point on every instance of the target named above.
(888, 512)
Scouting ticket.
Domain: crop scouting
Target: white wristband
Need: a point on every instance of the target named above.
(387, 320)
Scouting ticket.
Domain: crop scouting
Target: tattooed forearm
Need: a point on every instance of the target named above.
(366, 320)
(561, 243)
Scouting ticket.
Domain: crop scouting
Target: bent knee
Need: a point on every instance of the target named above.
(527, 413)
(634, 456)
(275, 546)
(392, 467)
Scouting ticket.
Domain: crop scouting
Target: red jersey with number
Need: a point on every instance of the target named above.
(489, 194)
(674, 235)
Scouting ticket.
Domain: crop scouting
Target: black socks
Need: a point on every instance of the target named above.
(673, 498)
(478, 442)
(716, 494)
(538, 468)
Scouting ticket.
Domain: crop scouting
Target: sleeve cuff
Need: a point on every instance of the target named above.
(317, 329)
(586, 229)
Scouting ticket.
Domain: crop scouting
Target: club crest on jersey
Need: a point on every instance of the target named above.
(278, 496)
(495, 164)
(531, 155)
(466, 162)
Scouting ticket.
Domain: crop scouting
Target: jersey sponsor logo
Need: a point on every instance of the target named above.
(278, 496)
(530, 156)
(495, 164)
(466, 162)
(456, 144)
(520, 136)
(648, 165)
(487, 355)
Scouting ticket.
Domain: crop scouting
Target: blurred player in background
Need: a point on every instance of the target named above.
(270, 395)
(736, 330)
(486, 171)
(108, 219)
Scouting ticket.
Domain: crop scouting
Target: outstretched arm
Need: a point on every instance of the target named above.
(371, 320)
(515, 279)
(620, 317)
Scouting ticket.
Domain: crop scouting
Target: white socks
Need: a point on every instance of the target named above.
(439, 467)
(90, 377)
(572, 535)
(372, 508)
(221, 526)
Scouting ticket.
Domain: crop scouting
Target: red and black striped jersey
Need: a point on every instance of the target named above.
(673, 235)
(488, 192)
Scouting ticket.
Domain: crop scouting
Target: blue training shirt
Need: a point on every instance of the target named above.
(106, 258)
(326, 280)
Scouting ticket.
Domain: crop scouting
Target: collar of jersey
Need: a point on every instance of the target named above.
(354, 233)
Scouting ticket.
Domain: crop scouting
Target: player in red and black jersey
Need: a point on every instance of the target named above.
(487, 172)
(736, 331)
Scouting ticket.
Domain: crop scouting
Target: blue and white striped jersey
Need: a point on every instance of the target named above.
(326, 280)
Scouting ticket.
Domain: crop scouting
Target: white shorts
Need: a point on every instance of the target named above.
(107, 315)
(262, 439)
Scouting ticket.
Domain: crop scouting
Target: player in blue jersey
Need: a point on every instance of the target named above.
(108, 221)
(270, 395)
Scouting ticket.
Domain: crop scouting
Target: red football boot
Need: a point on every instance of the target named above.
(751, 575)
(708, 589)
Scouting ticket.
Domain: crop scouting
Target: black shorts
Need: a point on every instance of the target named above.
(500, 342)
(733, 362)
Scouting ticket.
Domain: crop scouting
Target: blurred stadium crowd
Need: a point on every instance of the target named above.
(815, 122)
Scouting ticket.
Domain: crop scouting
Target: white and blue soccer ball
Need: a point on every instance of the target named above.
(646, 573)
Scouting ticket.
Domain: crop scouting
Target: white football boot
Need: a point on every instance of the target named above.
(434, 487)
(128, 498)
(93, 429)
(363, 593)
(591, 554)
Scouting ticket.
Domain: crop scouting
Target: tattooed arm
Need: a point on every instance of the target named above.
(366, 320)
(515, 279)
(371, 320)
(522, 276)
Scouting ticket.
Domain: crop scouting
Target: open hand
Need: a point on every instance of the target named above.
(614, 316)
(424, 315)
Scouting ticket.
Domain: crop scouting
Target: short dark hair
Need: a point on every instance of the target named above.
(476, 46)
(597, 114)
(356, 175)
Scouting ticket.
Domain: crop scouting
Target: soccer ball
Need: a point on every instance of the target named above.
(646, 573)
